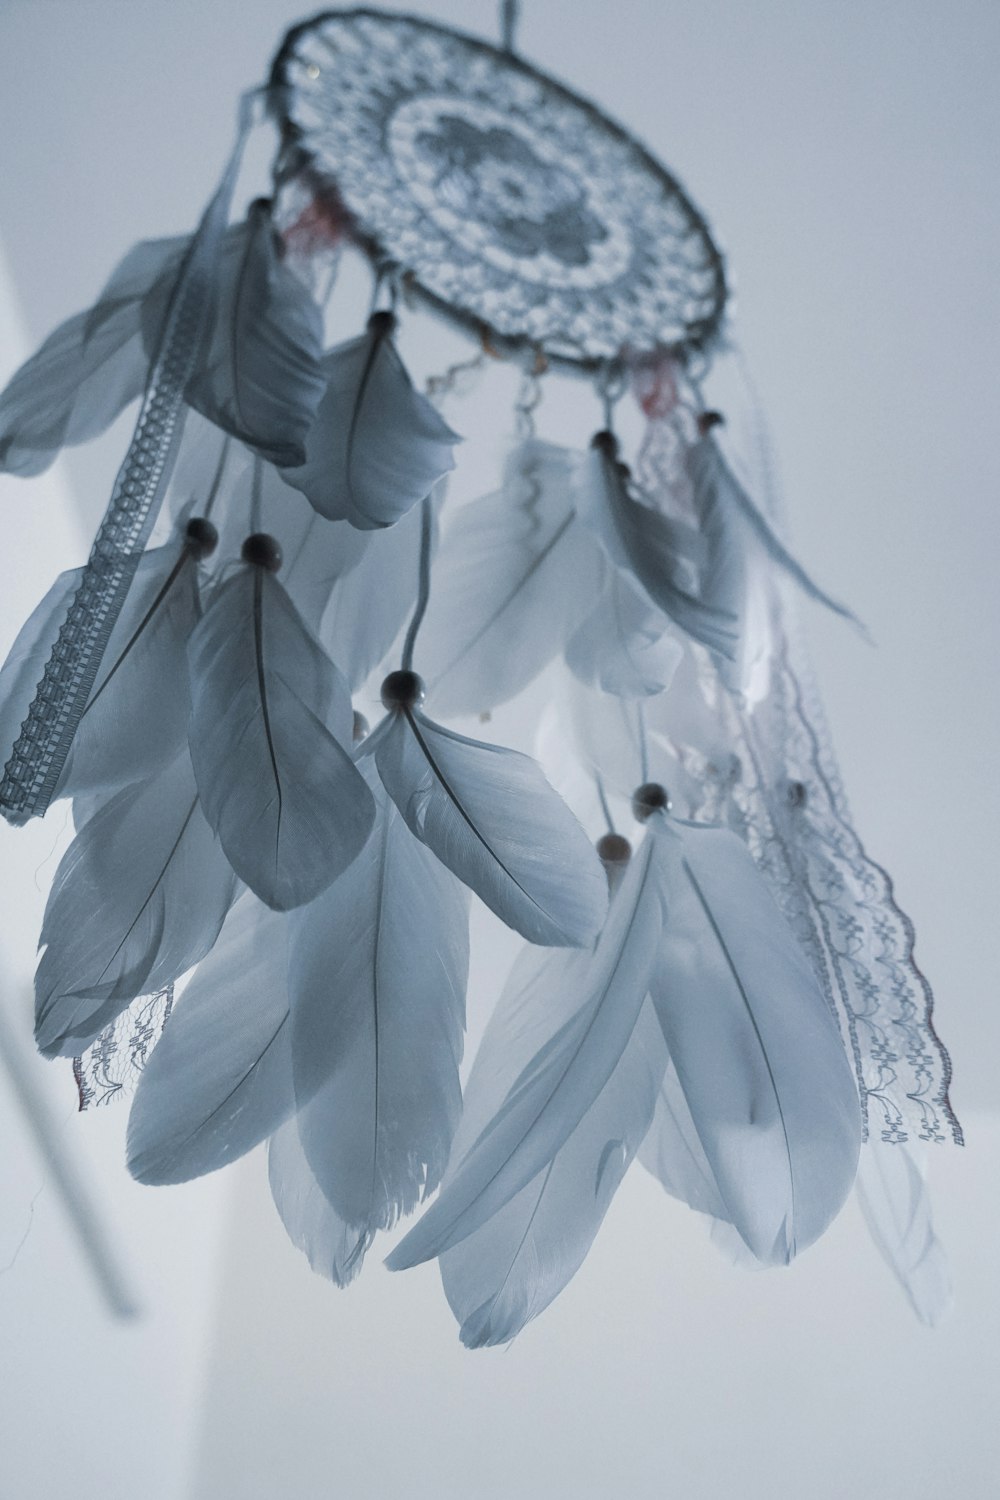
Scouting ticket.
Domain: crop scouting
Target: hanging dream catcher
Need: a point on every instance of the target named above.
(716, 978)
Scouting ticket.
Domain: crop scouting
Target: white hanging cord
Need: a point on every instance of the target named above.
(509, 17)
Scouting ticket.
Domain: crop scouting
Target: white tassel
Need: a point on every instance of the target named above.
(491, 817)
(138, 898)
(269, 718)
(377, 447)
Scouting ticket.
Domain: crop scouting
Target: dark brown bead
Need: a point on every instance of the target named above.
(709, 419)
(200, 537)
(605, 442)
(262, 551)
(649, 798)
(797, 794)
(614, 849)
(402, 690)
(383, 324)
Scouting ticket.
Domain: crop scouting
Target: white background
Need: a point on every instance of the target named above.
(847, 155)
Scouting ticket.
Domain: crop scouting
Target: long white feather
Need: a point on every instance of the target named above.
(757, 1052)
(732, 521)
(515, 576)
(269, 710)
(892, 1192)
(260, 378)
(624, 645)
(333, 1248)
(138, 898)
(136, 718)
(377, 447)
(661, 554)
(219, 1080)
(510, 1269)
(672, 1151)
(551, 1095)
(377, 976)
(92, 366)
(489, 814)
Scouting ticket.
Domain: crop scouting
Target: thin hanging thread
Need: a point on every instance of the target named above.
(509, 17)
(426, 523)
(256, 495)
(640, 718)
(605, 809)
(216, 485)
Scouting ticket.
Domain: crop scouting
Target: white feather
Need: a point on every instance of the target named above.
(892, 1192)
(92, 366)
(377, 980)
(260, 376)
(552, 1094)
(624, 646)
(219, 1080)
(377, 447)
(515, 576)
(673, 1153)
(333, 1248)
(138, 898)
(489, 814)
(510, 1269)
(136, 717)
(284, 797)
(661, 554)
(22, 671)
(757, 1052)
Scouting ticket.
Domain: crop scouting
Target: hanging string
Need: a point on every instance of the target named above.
(256, 495)
(215, 486)
(424, 593)
(640, 718)
(603, 799)
(509, 17)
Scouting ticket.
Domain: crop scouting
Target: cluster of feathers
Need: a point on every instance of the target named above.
(235, 817)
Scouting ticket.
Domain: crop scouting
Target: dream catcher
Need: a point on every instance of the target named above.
(717, 980)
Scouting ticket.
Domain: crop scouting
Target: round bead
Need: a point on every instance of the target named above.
(262, 551)
(797, 794)
(200, 537)
(649, 798)
(605, 442)
(360, 728)
(402, 690)
(382, 323)
(614, 849)
(709, 419)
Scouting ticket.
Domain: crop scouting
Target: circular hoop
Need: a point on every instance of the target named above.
(512, 206)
